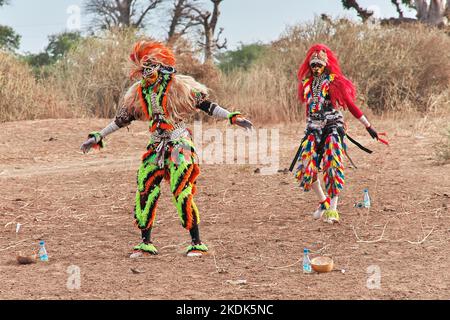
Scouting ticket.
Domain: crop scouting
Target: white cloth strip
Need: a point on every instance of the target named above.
(364, 121)
(318, 190)
(220, 113)
(110, 128)
(334, 203)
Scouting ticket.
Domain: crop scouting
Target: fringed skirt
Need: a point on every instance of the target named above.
(322, 149)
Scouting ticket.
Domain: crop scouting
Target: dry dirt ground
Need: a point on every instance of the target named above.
(255, 225)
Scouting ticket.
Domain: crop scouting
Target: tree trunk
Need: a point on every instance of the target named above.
(208, 21)
(433, 13)
(208, 45)
(124, 8)
(422, 10)
(447, 11)
(436, 12)
(176, 17)
(182, 18)
(120, 13)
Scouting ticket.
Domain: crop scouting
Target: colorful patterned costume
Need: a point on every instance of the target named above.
(164, 98)
(325, 90)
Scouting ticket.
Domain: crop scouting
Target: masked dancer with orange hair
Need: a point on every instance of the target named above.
(325, 90)
(164, 98)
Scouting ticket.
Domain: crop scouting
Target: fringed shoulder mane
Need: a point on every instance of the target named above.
(181, 96)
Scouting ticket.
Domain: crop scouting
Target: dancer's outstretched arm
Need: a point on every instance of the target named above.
(127, 113)
(358, 114)
(218, 112)
(95, 139)
(337, 89)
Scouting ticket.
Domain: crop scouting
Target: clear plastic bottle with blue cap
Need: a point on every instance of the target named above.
(306, 261)
(366, 198)
(43, 256)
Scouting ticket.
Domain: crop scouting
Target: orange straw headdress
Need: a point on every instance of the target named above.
(147, 52)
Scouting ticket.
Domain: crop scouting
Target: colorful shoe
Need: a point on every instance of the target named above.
(331, 216)
(323, 206)
(146, 248)
(196, 250)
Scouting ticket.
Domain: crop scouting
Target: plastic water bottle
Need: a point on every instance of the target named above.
(43, 256)
(306, 261)
(366, 198)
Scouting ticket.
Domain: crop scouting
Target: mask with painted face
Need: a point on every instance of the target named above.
(317, 69)
(318, 63)
(150, 71)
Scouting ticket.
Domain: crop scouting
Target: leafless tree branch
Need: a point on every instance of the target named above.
(120, 13)
(208, 20)
(353, 4)
(182, 18)
(153, 4)
(396, 3)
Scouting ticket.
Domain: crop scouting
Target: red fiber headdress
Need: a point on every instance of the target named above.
(342, 90)
(154, 52)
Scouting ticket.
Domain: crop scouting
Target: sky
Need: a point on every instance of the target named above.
(244, 21)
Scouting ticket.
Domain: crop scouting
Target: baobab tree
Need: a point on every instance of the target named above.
(432, 12)
(120, 13)
(185, 16)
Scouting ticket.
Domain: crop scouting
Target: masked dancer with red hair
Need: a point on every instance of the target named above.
(164, 98)
(325, 91)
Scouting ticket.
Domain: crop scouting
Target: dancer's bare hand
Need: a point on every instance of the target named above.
(244, 123)
(88, 144)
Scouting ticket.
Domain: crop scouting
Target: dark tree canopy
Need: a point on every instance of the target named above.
(9, 39)
(60, 44)
(241, 58)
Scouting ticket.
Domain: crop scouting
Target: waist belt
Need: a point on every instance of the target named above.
(162, 139)
(179, 131)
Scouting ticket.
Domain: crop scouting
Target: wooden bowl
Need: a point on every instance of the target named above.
(21, 259)
(322, 264)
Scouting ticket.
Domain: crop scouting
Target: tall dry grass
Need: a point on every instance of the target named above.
(95, 75)
(22, 97)
(442, 147)
(394, 68)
